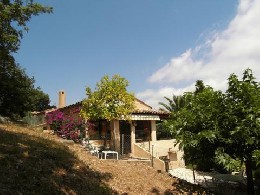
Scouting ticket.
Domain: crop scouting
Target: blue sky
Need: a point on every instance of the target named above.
(160, 47)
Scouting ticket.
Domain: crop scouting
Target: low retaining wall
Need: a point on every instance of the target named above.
(155, 162)
(167, 149)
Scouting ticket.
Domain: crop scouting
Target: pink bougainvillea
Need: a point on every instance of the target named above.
(54, 116)
(66, 126)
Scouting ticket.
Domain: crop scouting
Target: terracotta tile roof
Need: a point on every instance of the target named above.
(43, 112)
(72, 105)
(149, 109)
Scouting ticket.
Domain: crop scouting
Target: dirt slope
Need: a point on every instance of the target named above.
(32, 162)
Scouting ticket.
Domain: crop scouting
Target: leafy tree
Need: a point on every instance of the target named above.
(14, 15)
(110, 100)
(195, 126)
(18, 94)
(199, 86)
(174, 105)
(241, 125)
(222, 128)
(40, 100)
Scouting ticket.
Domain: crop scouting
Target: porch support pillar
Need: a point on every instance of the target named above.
(153, 131)
(115, 135)
(132, 138)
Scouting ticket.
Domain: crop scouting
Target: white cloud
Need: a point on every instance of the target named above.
(153, 97)
(229, 51)
(182, 68)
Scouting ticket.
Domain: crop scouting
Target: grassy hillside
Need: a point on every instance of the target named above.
(32, 162)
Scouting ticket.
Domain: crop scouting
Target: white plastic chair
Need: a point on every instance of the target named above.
(93, 150)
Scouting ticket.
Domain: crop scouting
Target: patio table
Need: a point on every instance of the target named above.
(106, 152)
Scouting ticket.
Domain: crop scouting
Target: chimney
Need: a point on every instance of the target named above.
(62, 99)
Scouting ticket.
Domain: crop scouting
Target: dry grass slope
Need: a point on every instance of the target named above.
(32, 162)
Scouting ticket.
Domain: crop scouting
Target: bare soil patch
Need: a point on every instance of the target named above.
(32, 162)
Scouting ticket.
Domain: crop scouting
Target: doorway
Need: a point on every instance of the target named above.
(125, 137)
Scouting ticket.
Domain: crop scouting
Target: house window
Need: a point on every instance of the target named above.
(143, 131)
(99, 130)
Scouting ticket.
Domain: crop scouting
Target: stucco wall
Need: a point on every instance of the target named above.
(141, 106)
(141, 153)
(166, 148)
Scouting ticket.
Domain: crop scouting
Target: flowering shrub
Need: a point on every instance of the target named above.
(54, 119)
(66, 126)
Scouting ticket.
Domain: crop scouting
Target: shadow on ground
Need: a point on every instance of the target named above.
(181, 188)
(218, 188)
(32, 165)
(184, 186)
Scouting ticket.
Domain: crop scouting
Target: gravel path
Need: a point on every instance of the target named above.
(187, 175)
(207, 179)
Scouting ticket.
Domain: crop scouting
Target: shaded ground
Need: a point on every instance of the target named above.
(35, 163)
(213, 181)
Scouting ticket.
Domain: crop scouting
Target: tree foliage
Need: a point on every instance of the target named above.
(222, 128)
(174, 104)
(40, 100)
(195, 125)
(18, 94)
(14, 16)
(242, 116)
(241, 124)
(110, 100)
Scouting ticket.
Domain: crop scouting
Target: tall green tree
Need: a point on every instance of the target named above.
(241, 125)
(40, 100)
(110, 100)
(174, 105)
(222, 128)
(18, 94)
(14, 16)
(195, 127)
